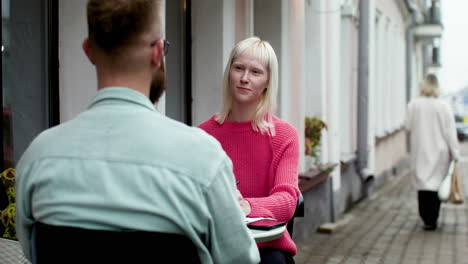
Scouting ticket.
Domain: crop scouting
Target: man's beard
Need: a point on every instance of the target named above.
(158, 84)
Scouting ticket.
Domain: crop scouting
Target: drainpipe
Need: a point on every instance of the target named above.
(409, 49)
(409, 58)
(363, 99)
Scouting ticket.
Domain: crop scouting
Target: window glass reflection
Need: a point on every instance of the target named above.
(24, 88)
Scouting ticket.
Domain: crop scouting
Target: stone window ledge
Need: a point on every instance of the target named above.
(314, 176)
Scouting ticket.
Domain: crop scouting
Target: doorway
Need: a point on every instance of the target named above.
(178, 61)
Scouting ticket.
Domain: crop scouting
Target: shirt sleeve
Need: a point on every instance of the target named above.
(451, 134)
(229, 239)
(24, 218)
(282, 200)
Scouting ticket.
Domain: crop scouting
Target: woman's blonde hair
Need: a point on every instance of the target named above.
(262, 50)
(430, 86)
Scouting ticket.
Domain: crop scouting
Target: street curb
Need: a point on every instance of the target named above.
(329, 228)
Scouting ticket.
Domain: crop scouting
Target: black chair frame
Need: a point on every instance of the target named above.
(298, 213)
(61, 244)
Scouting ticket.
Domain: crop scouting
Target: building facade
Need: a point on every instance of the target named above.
(352, 63)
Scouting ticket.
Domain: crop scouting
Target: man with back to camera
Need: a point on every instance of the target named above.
(121, 165)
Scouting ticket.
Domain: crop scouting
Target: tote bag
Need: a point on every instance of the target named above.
(446, 185)
(456, 190)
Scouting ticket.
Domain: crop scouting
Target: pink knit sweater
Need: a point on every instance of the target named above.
(267, 168)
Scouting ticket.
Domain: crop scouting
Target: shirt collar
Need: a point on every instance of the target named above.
(121, 94)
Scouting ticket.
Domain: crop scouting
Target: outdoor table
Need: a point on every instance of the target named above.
(268, 235)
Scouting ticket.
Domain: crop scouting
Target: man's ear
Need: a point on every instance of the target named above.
(157, 53)
(87, 50)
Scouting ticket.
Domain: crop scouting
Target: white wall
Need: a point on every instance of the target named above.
(323, 75)
(373, 14)
(379, 73)
(417, 71)
(292, 85)
(332, 81)
(314, 92)
(282, 23)
(244, 19)
(388, 79)
(314, 77)
(77, 76)
(390, 68)
(348, 87)
(213, 36)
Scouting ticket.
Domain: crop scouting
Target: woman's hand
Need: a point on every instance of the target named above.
(244, 204)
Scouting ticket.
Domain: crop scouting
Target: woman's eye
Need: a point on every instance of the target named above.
(257, 72)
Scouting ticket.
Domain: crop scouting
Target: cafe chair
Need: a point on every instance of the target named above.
(61, 244)
(298, 213)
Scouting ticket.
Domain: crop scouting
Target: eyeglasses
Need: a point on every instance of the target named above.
(165, 48)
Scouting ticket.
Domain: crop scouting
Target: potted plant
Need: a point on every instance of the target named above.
(313, 134)
(316, 172)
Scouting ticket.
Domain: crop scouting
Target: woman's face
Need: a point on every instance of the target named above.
(248, 79)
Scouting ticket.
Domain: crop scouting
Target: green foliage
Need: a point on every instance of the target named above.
(8, 215)
(313, 134)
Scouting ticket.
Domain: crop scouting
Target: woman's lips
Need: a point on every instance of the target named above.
(243, 89)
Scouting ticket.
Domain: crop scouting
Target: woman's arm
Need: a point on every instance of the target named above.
(451, 134)
(282, 199)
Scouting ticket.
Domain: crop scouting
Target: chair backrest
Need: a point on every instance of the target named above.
(298, 213)
(60, 244)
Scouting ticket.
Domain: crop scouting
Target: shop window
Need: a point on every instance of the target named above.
(28, 85)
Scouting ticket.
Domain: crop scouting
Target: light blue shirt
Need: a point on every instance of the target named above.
(121, 165)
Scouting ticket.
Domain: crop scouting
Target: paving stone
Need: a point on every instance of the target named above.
(386, 228)
(10, 252)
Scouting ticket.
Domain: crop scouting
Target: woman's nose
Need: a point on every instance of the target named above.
(244, 77)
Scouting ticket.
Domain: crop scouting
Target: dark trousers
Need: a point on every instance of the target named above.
(429, 207)
(275, 256)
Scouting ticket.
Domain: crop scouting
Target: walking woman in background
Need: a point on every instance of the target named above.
(264, 149)
(433, 144)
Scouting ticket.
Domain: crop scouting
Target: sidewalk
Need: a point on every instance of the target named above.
(10, 252)
(386, 228)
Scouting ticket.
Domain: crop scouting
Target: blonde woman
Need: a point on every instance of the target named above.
(433, 144)
(264, 149)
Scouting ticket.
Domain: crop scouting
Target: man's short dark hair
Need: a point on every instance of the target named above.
(114, 25)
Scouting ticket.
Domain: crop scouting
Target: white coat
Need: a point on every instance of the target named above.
(433, 141)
